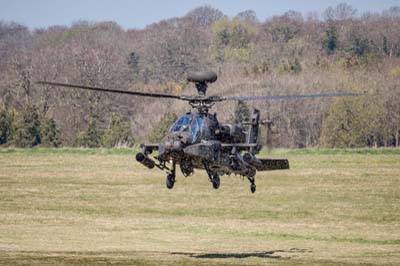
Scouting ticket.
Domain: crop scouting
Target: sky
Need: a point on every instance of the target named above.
(137, 14)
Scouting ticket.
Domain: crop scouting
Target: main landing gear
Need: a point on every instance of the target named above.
(170, 181)
(252, 184)
(212, 176)
(171, 177)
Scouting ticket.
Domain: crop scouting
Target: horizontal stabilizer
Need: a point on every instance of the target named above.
(273, 164)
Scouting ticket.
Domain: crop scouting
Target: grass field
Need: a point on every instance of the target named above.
(99, 207)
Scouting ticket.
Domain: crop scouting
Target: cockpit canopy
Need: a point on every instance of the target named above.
(192, 124)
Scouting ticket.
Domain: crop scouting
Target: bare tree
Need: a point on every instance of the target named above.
(247, 15)
(342, 11)
(205, 15)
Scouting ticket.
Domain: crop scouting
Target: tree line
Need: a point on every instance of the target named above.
(339, 50)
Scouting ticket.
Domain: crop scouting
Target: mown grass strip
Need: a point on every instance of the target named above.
(135, 149)
(79, 151)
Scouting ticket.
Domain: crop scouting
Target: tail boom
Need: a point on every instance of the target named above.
(273, 164)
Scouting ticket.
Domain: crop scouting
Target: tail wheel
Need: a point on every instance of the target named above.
(253, 188)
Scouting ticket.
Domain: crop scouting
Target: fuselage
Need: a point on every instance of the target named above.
(199, 141)
(195, 140)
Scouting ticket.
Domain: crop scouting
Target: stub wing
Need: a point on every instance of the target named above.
(273, 164)
(149, 147)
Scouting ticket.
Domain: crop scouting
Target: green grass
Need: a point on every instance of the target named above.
(135, 149)
(99, 207)
(81, 151)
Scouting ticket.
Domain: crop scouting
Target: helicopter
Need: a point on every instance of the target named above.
(197, 140)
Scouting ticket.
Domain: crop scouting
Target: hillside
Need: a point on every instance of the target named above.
(337, 51)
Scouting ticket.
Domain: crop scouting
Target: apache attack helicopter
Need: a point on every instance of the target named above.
(197, 140)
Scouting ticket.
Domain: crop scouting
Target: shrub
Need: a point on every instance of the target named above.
(353, 122)
(28, 128)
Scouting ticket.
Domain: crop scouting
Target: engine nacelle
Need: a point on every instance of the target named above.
(252, 160)
(242, 167)
(232, 133)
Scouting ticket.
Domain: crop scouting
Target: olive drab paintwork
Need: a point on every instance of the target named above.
(197, 140)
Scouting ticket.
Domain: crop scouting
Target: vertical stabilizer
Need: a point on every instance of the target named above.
(252, 134)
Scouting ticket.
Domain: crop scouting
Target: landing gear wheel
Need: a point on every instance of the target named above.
(170, 181)
(253, 188)
(215, 181)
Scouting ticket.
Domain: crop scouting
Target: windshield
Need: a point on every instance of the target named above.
(197, 125)
(189, 123)
(182, 123)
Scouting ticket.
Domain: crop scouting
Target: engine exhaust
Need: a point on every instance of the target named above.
(252, 160)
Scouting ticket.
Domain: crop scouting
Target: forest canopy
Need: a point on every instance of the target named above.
(339, 50)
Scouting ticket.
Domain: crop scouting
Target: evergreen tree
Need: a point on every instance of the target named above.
(133, 62)
(6, 125)
(92, 137)
(28, 128)
(331, 40)
(50, 133)
(385, 45)
(118, 133)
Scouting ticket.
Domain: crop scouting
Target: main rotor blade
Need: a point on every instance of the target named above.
(90, 88)
(279, 97)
